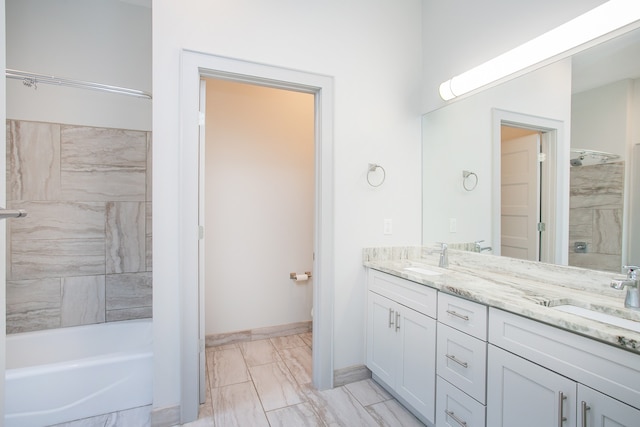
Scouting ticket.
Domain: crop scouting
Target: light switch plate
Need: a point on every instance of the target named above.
(388, 226)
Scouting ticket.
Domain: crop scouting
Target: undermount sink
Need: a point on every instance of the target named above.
(423, 271)
(600, 317)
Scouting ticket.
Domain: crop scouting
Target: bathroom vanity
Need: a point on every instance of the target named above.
(488, 342)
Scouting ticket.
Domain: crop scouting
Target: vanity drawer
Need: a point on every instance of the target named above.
(464, 315)
(454, 408)
(462, 360)
(420, 298)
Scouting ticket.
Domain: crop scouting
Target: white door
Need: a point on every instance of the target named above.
(523, 394)
(520, 198)
(598, 410)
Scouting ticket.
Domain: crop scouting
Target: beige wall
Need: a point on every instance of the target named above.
(259, 203)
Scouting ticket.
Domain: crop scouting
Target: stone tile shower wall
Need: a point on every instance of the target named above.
(83, 253)
(595, 215)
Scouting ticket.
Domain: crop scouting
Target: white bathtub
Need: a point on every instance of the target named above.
(67, 374)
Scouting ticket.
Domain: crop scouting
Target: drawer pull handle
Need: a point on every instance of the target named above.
(561, 417)
(453, 358)
(397, 320)
(585, 408)
(390, 317)
(458, 315)
(455, 418)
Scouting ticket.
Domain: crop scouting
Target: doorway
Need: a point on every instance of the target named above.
(258, 214)
(521, 158)
(194, 67)
(550, 201)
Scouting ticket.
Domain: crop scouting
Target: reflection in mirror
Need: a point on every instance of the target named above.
(596, 95)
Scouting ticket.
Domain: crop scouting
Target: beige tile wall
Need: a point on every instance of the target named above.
(83, 253)
(595, 215)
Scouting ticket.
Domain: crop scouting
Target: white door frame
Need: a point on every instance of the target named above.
(194, 66)
(555, 187)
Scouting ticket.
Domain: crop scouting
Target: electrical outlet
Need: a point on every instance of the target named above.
(453, 225)
(388, 226)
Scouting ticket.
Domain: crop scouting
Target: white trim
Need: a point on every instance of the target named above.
(558, 190)
(195, 65)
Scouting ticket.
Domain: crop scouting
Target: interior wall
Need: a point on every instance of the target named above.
(460, 34)
(462, 133)
(259, 206)
(103, 41)
(372, 50)
(600, 118)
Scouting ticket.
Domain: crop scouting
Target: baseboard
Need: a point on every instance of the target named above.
(165, 417)
(350, 374)
(214, 340)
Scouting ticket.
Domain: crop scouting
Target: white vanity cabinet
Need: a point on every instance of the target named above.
(539, 375)
(524, 394)
(461, 359)
(401, 336)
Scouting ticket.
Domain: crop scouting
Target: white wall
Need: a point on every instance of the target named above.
(103, 41)
(460, 34)
(462, 134)
(600, 118)
(259, 206)
(373, 51)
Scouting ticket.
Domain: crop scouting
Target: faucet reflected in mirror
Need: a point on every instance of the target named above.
(632, 298)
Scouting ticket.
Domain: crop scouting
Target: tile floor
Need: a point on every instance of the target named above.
(268, 383)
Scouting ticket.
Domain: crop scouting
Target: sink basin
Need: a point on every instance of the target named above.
(600, 317)
(423, 271)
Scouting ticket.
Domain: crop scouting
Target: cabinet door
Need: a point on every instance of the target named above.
(381, 337)
(598, 410)
(523, 394)
(416, 371)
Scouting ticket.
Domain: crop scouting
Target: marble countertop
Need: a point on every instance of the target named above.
(526, 288)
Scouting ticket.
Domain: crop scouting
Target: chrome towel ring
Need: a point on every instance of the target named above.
(469, 180)
(373, 168)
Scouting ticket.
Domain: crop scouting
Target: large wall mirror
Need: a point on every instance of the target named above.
(543, 167)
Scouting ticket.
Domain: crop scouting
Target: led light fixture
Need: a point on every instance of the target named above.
(602, 20)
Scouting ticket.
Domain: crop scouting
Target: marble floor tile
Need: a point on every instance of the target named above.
(368, 392)
(271, 397)
(299, 361)
(301, 415)
(391, 413)
(307, 337)
(226, 367)
(259, 352)
(237, 405)
(337, 407)
(288, 341)
(275, 385)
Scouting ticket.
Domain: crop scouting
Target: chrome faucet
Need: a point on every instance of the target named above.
(632, 299)
(444, 256)
(478, 247)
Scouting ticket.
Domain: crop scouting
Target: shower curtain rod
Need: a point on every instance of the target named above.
(32, 79)
(601, 155)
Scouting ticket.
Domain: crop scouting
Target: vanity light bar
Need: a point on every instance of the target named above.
(602, 20)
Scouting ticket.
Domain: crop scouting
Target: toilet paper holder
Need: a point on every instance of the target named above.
(294, 276)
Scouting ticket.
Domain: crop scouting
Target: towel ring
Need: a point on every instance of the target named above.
(372, 168)
(465, 178)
